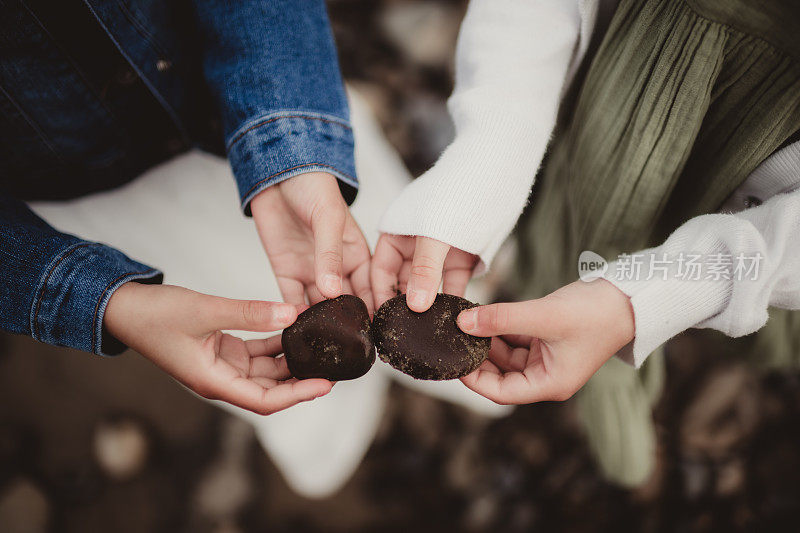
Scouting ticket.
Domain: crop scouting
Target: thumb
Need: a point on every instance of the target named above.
(426, 273)
(248, 315)
(518, 318)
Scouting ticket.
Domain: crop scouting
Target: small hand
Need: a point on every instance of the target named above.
(417, 266)
(314, 245)
(546, 349)
(179, 331)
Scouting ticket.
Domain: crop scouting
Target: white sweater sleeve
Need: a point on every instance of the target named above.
(511, 62)
(750, 260)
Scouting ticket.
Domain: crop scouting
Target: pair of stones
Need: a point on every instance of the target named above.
(335, 340)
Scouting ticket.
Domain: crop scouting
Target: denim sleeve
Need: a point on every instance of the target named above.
(55, 287)
(273, 69)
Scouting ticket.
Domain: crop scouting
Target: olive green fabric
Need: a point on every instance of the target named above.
(676, 110)
(680, 103)
(777, 345)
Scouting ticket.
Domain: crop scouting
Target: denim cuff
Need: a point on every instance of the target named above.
(275, 147)
(74, 291)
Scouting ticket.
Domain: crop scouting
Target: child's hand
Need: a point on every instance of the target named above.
(548, 348)
(179, 331)
(417, 266)
(314, 245)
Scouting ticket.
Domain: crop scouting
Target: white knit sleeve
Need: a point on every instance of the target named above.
(749, 261)
(511, 61)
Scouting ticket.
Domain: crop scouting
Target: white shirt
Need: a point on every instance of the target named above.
(514, 60)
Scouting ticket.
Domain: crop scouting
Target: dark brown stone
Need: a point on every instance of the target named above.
(330, 340)
(427, 345)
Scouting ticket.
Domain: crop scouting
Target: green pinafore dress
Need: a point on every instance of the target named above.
(678, 103)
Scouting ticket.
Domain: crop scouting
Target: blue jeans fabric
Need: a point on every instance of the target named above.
(258, 79)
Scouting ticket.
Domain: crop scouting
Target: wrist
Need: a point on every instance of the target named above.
(119, 311)
(302, 185)
(325, 145)
(621, 309)
(262, 198)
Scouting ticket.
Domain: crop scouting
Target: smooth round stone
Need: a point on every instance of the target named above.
(427, 345)
(330, 340)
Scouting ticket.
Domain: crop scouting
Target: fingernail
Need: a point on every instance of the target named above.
(466, 320)
(416, 298)
(285, 313)
(333, 283)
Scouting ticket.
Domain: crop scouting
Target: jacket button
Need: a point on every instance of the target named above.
(163, 65)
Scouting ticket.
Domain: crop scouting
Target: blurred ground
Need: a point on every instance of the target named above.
(90, 444)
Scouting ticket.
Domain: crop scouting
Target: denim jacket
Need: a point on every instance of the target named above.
(92, 92)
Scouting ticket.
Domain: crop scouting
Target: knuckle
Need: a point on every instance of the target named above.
(501, 317)
(330, 257)
(497, 318)
(424, 271)
(427, 260)
(254, 312)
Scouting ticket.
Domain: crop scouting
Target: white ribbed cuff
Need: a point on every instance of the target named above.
(665, 305)
(471, 199)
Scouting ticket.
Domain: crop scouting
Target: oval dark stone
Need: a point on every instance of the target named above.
(330, 340)
(427, 345)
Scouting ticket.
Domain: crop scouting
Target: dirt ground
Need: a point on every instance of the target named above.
(90, 444)
(728, 457)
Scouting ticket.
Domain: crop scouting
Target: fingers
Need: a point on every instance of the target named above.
(455, 281)
(426, 273)
(274, 368)
(509, 388)
(384, 269)
(347, 288)
(269, 347)
(357, 263)
(521, 318)
(416, 265)
(404, 275)
(247, 315)
(249, 395)
(327, 224)
(314, 295)
(518, 341)
(501, 354)
(292, 290)
(262, 385)
(359, 282)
